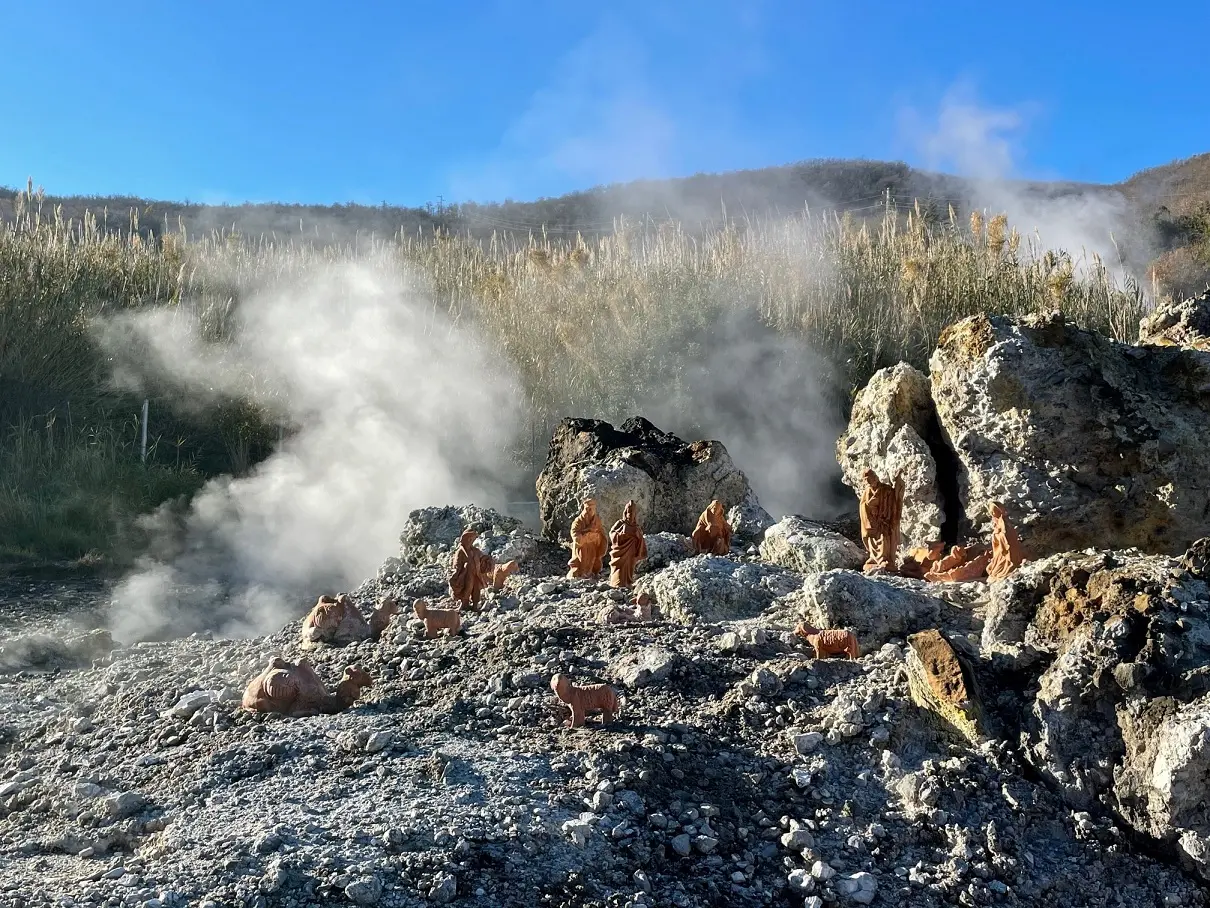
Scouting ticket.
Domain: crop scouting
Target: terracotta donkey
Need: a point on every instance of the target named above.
(437, 620)
(828, 642)
(585, 699)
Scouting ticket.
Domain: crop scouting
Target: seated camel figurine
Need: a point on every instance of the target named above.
(616, 613)
(501, 573)
(585, 699)
(296, 691)
(831, 641)
(437, 620)
(961, 565)
(337, 621)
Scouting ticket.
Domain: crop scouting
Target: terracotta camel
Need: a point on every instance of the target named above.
(336, 621)
(295, 690)
(829, 642)
(585, 699)
(437, 620)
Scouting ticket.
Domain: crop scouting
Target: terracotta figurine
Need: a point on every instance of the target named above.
(961, 565)
(295, 690)
(471, 571)
(588, 542)
(881, 509)
(627, 547)
(829, 642)
(712, 535)
(501, 573)
(337, 621)
(437, 620)
(585, 699)
(1007, 552)
(920, 560)
(615, 613)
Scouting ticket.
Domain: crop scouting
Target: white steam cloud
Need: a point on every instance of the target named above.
(983, 144)
(392, 406)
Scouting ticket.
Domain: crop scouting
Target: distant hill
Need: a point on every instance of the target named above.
(1154, 213)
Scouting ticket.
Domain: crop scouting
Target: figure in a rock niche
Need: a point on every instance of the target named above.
(920, 560)
(471, 571)
(588, 542)
(627, 547)
(881, 510)
(295, 690)
(712, 535)
(961, 565)
(1007, 552)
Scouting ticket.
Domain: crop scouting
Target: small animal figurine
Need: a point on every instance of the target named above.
(585, 699)
(501, 573)
(962, 565)
(336, 621)
(832, 641)
(295, 690)
(437, 620)
(920, 560)
(640, 610)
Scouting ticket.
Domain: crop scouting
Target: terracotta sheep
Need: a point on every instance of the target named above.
(828, 642)
(437, 620)
(585, 699)
(639, 610)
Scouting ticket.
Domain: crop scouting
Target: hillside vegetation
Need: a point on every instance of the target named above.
(857, 293)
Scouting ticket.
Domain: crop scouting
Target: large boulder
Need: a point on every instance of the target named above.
(711, 589)
(1121, 719)
(941, 682)
(809, 547)
(670, 481)
(1086, 441)
(893, 431)
(876, 609)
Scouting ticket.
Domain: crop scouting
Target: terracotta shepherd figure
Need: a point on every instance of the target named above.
(471, 572)
(588, 542)
(1007, 553)
(712, 535)
(627, 548)
(881, 509)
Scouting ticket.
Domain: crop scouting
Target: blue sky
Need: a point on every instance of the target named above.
(404, 102)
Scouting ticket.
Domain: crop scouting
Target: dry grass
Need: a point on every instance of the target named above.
(592, 327)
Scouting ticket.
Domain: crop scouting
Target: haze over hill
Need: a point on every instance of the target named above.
(1152, 214)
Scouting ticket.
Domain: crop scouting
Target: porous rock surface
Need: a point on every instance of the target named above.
(1086, 441)
(749, 775)
(430, 535)
(670, 481)
(889, 430)
(809, 547)
(1183, 323)
(712, 588)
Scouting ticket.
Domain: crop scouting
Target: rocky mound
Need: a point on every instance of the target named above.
(740, 776)
(671, 481)
(1085, 441)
